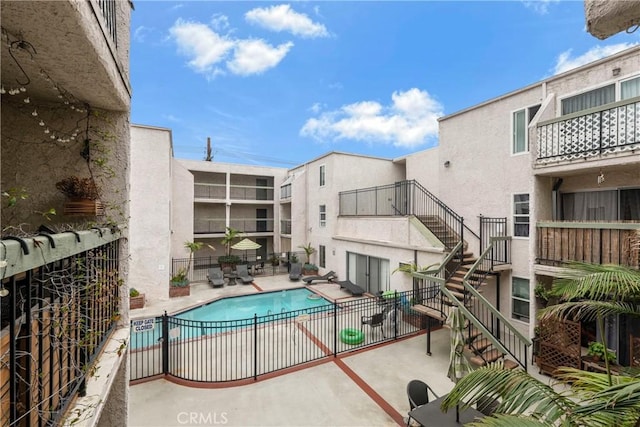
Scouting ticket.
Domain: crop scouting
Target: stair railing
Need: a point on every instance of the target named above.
(495, 324)
(434, 280)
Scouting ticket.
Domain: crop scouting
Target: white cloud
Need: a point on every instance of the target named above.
(256, 56)
(219, 22)
(410, 121)
(539, 6)
(565, 62)
(140, 33)
(204, 46)
(208, 52)
(316, 108)
(283, 18)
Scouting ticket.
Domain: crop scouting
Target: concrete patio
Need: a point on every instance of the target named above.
(364, 388)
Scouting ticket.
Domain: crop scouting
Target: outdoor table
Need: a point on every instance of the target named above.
(430, 414)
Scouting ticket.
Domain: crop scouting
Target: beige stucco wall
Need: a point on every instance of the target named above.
(150, 236)
(398, 239)
(181, 212)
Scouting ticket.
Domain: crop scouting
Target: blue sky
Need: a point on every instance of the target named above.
(279, 84)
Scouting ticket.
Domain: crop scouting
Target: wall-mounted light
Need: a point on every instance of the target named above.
(616, 71)
(601, 178)
(447, 164)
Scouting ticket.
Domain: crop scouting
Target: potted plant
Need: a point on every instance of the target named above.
(598, 352)
(542, 295)
(83, 196)
(274, 260)
(179, 283)
(136, 299)
(308, 268)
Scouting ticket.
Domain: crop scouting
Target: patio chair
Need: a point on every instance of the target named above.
(243, 274)
(328, 277)
(375, 321)
(259, 267)
(296, 271)
(418, 394)
(216, 277)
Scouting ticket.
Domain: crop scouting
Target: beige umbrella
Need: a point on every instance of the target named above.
(246, 245)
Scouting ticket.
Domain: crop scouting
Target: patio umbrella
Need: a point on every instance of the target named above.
(246, 245)
(458, 364)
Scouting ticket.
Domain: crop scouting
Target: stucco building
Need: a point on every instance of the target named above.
(550, 168)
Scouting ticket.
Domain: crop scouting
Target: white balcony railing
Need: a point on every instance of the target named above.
(607, 129)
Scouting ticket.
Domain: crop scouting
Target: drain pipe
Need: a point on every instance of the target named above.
(554, 198)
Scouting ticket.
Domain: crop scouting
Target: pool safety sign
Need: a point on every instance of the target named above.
(143, 324)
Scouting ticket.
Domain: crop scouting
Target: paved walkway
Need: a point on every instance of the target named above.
(366, 388)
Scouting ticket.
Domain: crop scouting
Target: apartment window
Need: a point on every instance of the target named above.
(322, 254)
(520, 122)
(323, 170)
(323, 215)
(520, 298)
(590, 99)
(630, 88)
(521, 215)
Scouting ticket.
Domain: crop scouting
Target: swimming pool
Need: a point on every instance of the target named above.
(230, 313)
(260, 304)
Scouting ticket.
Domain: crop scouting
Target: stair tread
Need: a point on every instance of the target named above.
(428, 311)
(481, 344)
(488, 357)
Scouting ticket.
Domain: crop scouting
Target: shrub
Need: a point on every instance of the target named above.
(79, 188)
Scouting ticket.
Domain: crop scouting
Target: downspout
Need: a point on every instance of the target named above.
(554, 199)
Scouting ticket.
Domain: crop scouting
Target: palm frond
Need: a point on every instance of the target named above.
(506, 420)
(516, 389)
(598, 282)
(588, 310)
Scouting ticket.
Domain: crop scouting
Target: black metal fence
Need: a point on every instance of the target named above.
(55, 320)
(274, 264)
(219, 351)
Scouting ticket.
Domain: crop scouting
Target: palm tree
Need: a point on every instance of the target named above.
(308, 250)
(229, 236)
(586, 292)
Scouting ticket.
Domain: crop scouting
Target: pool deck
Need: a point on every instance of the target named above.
(363, 388)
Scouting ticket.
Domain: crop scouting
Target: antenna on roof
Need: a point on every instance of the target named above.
(209, 156)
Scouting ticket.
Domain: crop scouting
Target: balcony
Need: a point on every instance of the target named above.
(246, 225)
(592, 242)
(90, 30)
(285, 226)
(60, 337)
(610, 129)
(236, 192)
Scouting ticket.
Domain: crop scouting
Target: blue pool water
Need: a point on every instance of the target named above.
(226, 311)
(262, 304)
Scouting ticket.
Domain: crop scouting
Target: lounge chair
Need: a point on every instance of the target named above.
(296, 271)
(216, 277)
(355, 290)
(243, 274)
(328, 277)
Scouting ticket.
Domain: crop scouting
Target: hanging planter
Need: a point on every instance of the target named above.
(83, 196)
(83, 207)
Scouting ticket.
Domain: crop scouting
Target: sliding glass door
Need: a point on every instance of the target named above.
(370, 273)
